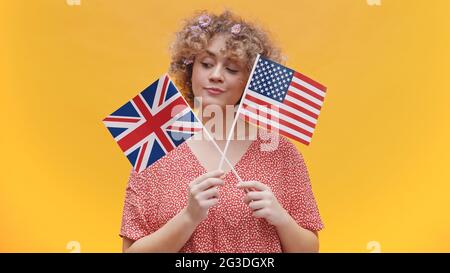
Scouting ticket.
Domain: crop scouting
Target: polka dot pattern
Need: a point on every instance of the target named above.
(157, 194)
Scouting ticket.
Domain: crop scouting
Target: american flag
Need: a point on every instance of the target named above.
(281, 99)
(152, 124)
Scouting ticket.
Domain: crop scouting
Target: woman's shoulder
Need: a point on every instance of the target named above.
(276, 143)
(280, 151)
(168, 164)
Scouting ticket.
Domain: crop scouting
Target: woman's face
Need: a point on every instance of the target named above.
(217, 78)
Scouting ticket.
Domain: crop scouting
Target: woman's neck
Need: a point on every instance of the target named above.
(219, 122)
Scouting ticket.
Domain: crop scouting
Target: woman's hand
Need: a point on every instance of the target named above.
(203, 194)
(264, 203)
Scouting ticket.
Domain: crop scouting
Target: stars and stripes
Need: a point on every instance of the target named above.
(152, 124)
(281, 99)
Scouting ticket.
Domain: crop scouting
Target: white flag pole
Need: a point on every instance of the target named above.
(211, 138)
(223, 156)
(237, 114)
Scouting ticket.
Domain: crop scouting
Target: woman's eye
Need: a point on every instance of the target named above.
(233, 70)
(206, 65)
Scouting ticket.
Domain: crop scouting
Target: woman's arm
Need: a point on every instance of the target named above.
(264, 204)
(169, 238)
(294, 238)
(203, 194)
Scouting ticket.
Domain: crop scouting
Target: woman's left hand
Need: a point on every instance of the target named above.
(264, 203)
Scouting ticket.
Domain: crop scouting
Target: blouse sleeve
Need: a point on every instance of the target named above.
(139, 217)
(303, 207)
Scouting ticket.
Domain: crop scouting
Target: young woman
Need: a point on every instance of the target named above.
(182, 203)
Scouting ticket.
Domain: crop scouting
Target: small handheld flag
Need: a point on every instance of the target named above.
(280, 98)
(152, 124)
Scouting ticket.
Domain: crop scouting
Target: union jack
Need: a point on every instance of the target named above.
(152, 124)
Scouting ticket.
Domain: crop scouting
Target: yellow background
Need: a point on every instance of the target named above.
(379, 159)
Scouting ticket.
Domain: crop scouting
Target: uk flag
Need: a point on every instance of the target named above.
(152, 124)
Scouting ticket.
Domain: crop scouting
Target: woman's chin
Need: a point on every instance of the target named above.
(212, 100)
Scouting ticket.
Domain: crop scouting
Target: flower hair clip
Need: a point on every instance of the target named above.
(187, 61)
(196, 30)
(204, 20)
(236, 29)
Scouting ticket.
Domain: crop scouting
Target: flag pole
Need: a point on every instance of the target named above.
(237, 114)
(211, 138)
(223, 156)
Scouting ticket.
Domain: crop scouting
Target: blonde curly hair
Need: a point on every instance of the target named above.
(244, 41)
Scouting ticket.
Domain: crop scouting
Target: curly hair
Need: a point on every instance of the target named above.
(244, 41)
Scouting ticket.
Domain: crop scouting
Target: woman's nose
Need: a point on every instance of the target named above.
(216, 74)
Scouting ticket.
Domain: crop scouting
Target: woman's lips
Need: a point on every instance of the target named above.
(214, 91)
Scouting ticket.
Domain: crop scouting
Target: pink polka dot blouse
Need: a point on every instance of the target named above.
(158, 193)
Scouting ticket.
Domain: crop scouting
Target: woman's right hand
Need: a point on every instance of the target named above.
(203, 194)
